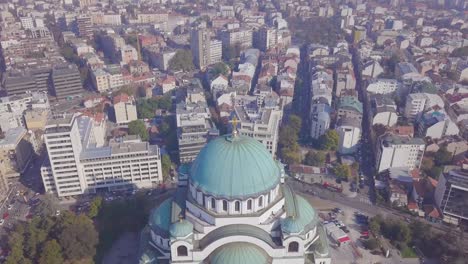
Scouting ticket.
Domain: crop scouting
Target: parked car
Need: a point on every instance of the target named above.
(2, 221)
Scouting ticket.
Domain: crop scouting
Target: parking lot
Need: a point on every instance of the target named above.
(353, 251)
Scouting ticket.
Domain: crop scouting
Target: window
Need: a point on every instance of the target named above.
(237, 206)
(260, 201)
(213, 203)
(224, 205)
(183, 252)
(249, 204)
(293, 247)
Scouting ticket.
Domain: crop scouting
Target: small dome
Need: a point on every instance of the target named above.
(235, 167)
(236, 253)
(181, 228)
(160, 218)
(304, 217)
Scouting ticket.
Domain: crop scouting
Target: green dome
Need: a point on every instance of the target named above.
(181, 229)
(235, 167)
(304, 217)
(160, 218)
(239, 253)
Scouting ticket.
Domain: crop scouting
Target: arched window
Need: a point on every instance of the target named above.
(293, 247)
(224, 205)
(213, 203)
(182, 251)
(237, 206)
(260, 201)
(249, 204)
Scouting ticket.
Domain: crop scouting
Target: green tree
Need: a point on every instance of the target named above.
(342, 171)
(371, 243)
(315, 158)
(95, 206)
(329, 140)
(220, 68)
(138, 127)
(442, 157)
(166, 164)
(182, 61)
(78, 237)
(295, 122)
(374, 225)
(287, 136)
(51, 253)
(291, 154)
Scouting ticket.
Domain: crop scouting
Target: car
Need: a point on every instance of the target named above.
(17, 193)
(10, 206)
(2, 221)
(57, 213)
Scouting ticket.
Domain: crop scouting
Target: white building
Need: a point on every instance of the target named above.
(216, 51)
(124, 108)
(417, 103)
(234, 208)
(383, 86)
(261, 124)
(349, 132)
(78, 164)
(394, 151)
(436, 124)
(384, 111)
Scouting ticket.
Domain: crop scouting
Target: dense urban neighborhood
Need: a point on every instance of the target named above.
(234, 132)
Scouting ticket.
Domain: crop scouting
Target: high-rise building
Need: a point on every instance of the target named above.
(266, 38)
(451, 195)
(80, 161)
(395, 151)
(200, 46)
(85, 26)
(319, 119)
(66, 81)
(216, 51)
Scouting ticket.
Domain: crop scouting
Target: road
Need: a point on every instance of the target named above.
(367, 147)
(364, 205)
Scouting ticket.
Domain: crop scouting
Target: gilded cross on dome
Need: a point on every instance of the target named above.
(234, 123)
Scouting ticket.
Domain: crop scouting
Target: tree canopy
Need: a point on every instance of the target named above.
(51, 253)
(95, 206)
(442, 157)
(315, 158)
(342, 171)
(182, 61)
(166, 164)
(78, 237)
(288, 140)
(146, 107)
(138, 127)
(220, 68)
(329, 140)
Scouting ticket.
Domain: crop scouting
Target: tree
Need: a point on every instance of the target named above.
(138, 127)
(329, 140)
(435, 172)
(51, 253)
(78, 237)
(315, 158)
(291, 154)
(342, 171)
(182, 61)
(220, 68)
(287, 136)
(95, 206)
(374, 225)
(371, 243)
(166, 164)
(295, 122)
(442, 157)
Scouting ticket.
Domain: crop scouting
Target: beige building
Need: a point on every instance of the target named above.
(15, 151)
(125, 109)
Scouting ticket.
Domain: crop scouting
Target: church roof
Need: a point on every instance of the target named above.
(235, 167)
(300, 216)
(235, 253)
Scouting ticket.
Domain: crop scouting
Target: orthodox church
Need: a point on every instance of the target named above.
(232, 207)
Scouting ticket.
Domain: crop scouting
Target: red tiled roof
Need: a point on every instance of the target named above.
(123, 97)
(412, 205)
(431, 211)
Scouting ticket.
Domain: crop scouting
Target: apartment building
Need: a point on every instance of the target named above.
(79, 163)
(383, 86)
(319, 119)
(260, 123)
(451, 194)
(124, 108)
(238, 36)
(396, 151)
